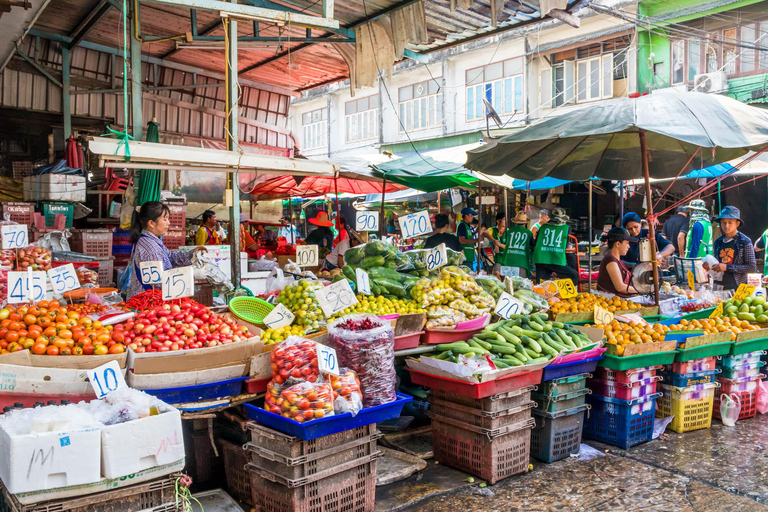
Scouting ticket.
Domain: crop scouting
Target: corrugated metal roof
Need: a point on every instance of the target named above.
(581, 39)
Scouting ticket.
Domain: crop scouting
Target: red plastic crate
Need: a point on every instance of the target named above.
(256, 385)
(746, 390)
(435, 336)
(624, 391)
(482, 390)
(178, 215)
(20, 213)
(92, 242)
(695, 365)
(627, 376)
(174, 239)
(106, 270)
(408, 340)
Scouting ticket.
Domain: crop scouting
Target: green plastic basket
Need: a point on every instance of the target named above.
(746, 347)
(714, 349)
(250, 309)
(639, 361)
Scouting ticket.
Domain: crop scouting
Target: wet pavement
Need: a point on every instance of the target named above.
(713, 470)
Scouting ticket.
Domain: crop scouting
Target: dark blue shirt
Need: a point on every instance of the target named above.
(633, 255)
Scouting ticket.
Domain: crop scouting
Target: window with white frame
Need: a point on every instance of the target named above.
(314, 128)
(420, 106)
(500, 84)
(362, 119)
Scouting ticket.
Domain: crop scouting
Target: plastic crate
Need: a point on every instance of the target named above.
(704, 351)
(175, 239)
(203, 293)
(93, 242)
(557, 435)
(238, 479)
(746, 389)
(691, 406)
(255, 386)
(741, 360)
(694, 365)
(627, 376)
(622, 423)
(330, 424)
(210, 391)
(20, 213)
(295, 460)
(351, 488)
(742, 372)
(566, 370)
(21, 169)
(105, 270)
(408, 340)
(682, 380)
(478, 418)
(561, 402)
(178, 215)
(50, 209)
(482, 390)
(564, 385)
(473, 451)
(638, 361)
(434, 336)
(630, 391)
(493, 403)
(745, 347)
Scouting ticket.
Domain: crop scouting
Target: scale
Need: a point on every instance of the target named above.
(642, 277)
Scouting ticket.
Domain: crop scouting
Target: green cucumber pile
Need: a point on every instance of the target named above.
(521, 340)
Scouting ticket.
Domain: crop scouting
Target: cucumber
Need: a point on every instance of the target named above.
(531, 353)
(509, 337)
(533, 344)
(512, 361)
(458, 347)
(501, 365)
(486, 345)
(503, 349)
(478, 347)
(539, 360)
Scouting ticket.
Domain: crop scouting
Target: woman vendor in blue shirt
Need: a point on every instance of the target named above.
(632, 223)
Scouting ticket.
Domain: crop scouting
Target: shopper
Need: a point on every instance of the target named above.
(760, 245)
(335, 258)
(549, 251)
(341, 227)
(543, 219)
(147, 226)
(514, 245)
(323, 235)
(466, 237)
(631, 222)
(673, 226)
(208, 233)
(696, 237)
(443, 235)
(733, 250)
(614, 277)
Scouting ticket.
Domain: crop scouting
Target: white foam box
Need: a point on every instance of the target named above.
(135, 446)
(183, 379)
(54, 187)
(37, 461)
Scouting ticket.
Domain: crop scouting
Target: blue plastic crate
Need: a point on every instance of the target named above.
(559, 371)
(210, 391)
(683, 380)
(622, 423)
(330, 424)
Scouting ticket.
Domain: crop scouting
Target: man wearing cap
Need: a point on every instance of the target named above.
(697, 237)
(514, 246)
(543, 219)
(466, 237)
(733, 250)
(549, 250)
(674, 225)
(632, 223)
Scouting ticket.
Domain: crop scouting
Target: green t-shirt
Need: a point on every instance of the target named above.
(517, 247)
(551, 242)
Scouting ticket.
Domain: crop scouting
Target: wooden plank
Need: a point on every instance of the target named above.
(752, 335)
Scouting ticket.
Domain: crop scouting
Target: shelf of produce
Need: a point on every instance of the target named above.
(638, 361)
(712, 350)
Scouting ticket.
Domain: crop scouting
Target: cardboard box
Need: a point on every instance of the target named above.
(138, 445)
(182, 379)
(195, 359)
(46, 460)
(26, 358)
(54, 187)
(42, 380)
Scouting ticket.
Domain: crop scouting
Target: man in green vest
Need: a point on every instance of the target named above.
(760, 245)
(697, 237)
(514, 245)
(466, 237)
(549, 251)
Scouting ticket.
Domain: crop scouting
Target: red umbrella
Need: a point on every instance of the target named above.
(286, 186)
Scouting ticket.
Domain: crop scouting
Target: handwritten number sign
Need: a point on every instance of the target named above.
(178, 283)
(63, 279)
(363, 281)
(306, 255)
(26, 286)
(106, 379)
(327, 362)
(367, 221)
(336, 297)
(566, 288)
(507, 306)
(691, 280)
(603, 316)
(415, 224)
(744, 291)
(717, 312)
(281, 316)
(14, 236)
(436, 257)
(150, 272)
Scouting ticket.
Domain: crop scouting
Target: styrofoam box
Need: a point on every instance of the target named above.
(54, 187)
(183, 379)
(134, 446)
(45, 460)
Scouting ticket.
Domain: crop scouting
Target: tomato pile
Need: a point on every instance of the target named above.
(301, 402)
(347, 386)
(47, 328)
(297, 360)
(34, 257)
(183, 326)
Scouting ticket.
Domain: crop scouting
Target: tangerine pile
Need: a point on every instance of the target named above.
(622, 334)
(715, 325)
(586, 302)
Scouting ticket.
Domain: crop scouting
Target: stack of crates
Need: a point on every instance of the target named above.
(333, 472)
(487, 437)
(121, 247)
(20, 213)
(559, 416)
(623, 405)
(688, 394)
(740, 375)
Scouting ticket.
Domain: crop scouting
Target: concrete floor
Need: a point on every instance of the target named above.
(718, 469)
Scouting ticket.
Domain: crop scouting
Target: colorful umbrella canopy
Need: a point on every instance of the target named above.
(311, 186)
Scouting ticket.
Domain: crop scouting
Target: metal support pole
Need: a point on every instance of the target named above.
(479, 249)
(230, 26)
(506, 205)
(589, 238)
(382, 221)
(621, 199)
(649, 214)
(137, 106)
(66, 106)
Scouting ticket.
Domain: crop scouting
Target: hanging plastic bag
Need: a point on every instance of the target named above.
(347, 396)
(762, 397)
(730, 408)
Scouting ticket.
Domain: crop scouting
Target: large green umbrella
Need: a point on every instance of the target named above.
(425, 173)
(149, 179)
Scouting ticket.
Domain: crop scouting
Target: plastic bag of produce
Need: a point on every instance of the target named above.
(491, 285)
(521, 283)
(536, 301)
(483, 300)
(460, 281)
(465, 307)
(347, 396)
(440, 311)
(300, 299)
(366, 345)
(304, 401)
(34, 257)
(446, 321)
(295, 360)
(431, 292)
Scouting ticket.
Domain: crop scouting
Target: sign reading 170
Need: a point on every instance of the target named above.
(415, 224)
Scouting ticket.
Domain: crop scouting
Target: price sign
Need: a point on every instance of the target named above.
(603, 316)
(507, 306)
(363, 281)
(717, 312)
(63, 279)
(743, 291)
(279, 317)
(26, 286)
(336, 297)
(326, 360)
(178, 283)
(415, 224)
(436, 257)
(106, 379)
(691, 280)
(14, 236)
(566, 289)
(150, 272)
(307, 255)
(367, 221)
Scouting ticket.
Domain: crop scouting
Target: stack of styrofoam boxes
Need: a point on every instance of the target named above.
(740, 375)
(57, 192)
(688, 393)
